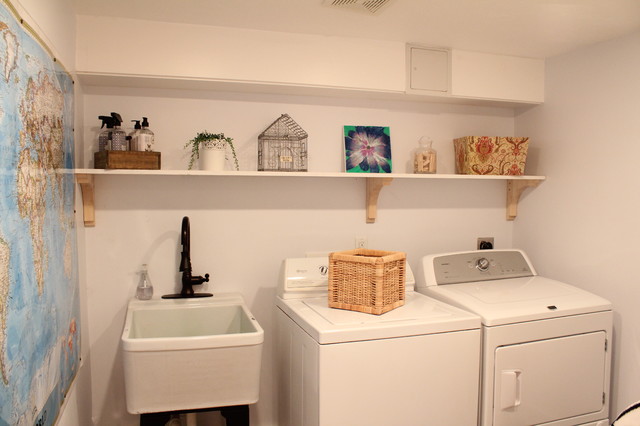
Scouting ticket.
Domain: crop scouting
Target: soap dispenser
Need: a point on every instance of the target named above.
(134, 144)
(146, 137)
(145, 289)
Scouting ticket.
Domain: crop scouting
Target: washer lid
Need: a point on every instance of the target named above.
(515, 300)
(419, 315)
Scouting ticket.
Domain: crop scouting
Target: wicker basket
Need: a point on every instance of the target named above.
(369, 281)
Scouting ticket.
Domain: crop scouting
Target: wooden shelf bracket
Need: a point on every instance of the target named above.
(86, 183)
(374, 186)
(515, 187)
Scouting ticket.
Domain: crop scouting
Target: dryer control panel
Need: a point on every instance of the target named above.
(479, 265)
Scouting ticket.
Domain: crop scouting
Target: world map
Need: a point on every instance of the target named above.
(39, 300)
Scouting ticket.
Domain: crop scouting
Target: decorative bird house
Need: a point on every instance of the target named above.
(282, 147)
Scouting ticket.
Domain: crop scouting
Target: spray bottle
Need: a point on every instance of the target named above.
(118, 136)
(134, 143)
(146, 138)
(104, 136)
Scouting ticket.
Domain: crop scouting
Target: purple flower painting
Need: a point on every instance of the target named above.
(367, 149)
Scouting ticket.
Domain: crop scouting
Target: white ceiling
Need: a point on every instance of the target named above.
(530, 28)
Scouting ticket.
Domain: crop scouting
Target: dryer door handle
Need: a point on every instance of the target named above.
(510, 388)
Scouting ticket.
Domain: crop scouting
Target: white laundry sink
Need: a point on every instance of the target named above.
(183, 354)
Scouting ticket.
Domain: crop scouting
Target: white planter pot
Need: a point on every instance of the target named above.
(212, 159)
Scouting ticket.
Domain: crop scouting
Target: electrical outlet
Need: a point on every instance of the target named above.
(485, 243)
(361, 242)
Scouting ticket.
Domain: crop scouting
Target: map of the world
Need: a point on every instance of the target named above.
(39, 301)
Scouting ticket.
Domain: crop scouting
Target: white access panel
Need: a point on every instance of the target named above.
(428, 69)
(552, 379)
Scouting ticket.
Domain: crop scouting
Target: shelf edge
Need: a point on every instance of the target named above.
(122, 172)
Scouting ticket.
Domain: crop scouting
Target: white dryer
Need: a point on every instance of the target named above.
(546, 344)
(416, 365)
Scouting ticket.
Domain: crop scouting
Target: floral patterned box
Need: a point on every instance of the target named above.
(491, 155)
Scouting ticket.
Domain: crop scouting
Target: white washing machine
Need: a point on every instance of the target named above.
(416, 365)
(546, 345)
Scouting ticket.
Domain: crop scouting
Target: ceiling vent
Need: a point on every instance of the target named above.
(371, 6)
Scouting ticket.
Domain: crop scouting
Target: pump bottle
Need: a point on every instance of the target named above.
(134, 144)
(145, 289)
(146, 137)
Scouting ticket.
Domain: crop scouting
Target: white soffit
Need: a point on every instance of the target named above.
(529, 28)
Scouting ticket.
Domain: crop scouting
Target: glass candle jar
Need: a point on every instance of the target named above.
(425, 157)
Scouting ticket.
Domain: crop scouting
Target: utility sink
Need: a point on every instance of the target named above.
(187, 354)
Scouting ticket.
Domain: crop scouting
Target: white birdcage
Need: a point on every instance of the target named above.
(282, 147)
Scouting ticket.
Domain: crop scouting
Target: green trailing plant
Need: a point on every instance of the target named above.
(206, 139)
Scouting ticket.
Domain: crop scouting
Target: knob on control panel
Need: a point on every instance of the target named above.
(482, 264)
(472, 266)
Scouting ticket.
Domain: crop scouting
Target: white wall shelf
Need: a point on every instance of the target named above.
(374, 184)
(96, 79)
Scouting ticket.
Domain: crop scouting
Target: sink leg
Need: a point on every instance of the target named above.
(237, 415)
(154, 419)
(190, 419)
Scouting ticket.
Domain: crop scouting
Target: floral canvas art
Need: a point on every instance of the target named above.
(367, 149)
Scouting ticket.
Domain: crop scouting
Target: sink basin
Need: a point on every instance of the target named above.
(187, 354)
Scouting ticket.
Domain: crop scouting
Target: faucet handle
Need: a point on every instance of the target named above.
(198, 279)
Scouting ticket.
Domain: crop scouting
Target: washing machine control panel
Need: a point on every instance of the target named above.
(481, 265)
(309, 277)
(304, 277)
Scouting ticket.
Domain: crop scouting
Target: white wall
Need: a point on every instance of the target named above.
(581, 225)
(55, 22)
(242, 228)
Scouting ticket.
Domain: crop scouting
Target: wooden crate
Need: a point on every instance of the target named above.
(369, 281)
(144, 160)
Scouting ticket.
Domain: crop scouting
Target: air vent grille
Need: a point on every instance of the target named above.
(372, 6)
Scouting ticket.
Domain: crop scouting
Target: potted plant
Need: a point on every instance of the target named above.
(210, 149)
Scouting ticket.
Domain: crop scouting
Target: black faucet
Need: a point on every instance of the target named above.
(188, 280)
